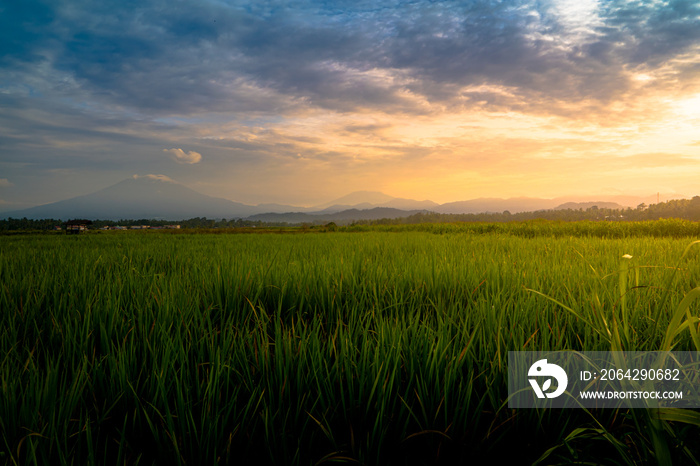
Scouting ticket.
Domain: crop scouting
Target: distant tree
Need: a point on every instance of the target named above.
(694, 208)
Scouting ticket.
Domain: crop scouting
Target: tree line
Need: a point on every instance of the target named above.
(686, 209)
(13, 224)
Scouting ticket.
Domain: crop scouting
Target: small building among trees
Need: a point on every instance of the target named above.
(73, 227)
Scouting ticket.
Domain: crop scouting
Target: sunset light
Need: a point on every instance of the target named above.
(306, 102)
(371, 232)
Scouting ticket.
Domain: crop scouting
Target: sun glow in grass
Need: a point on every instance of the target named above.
(379, 347)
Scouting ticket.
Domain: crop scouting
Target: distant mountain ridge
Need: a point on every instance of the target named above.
(372, 199)
(357, 198)
(513, 205)
(159, 197)
(149, 196)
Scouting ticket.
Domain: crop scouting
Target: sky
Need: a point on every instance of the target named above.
(299, 102)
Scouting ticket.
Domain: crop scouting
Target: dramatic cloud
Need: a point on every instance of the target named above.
(181, 157)
(363, 90)
(209, 56)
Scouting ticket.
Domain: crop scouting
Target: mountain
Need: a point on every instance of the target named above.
(356, 198)
(530, 204)
(159, 197)
(365, 200)
(341, 207)
(513, 205)
(280, 208)
(149, 196)
(410, 204)
(627, 200)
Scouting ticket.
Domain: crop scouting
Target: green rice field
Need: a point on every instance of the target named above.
(377, 347)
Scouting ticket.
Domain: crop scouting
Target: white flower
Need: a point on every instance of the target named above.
(627, 256)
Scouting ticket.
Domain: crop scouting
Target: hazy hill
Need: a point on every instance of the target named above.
(365, 200)
(150, 196)
(159, 197)
(410, 204)
(513, 205)
(358, 198)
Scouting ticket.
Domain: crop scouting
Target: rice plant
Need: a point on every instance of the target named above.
(374, 347)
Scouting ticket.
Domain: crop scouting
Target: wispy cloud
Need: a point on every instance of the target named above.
(5, 183)
(154, 177)
(324, 88)
(348, 56)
